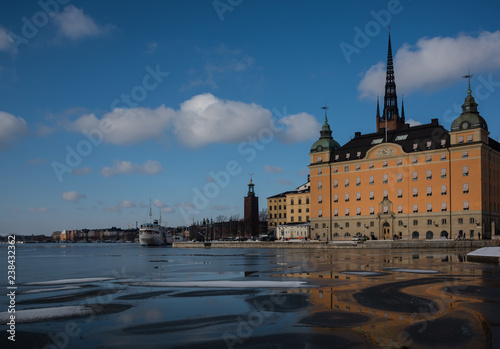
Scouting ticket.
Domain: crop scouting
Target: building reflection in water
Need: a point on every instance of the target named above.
(436, 279)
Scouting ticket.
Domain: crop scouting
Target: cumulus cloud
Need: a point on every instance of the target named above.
(433, 63)
(162, 206)
(81, 171)
(150, 167)
(127, 126)
(4, 40)
(413, 122)
(11, 127)
(298, 128)
(271, 169)
(201, 120)
(72, 196)
(74, 24)
(126, 204)
(207, 119)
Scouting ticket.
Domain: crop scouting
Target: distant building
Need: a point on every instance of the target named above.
(404, 182)
(251, 214)
(289, 212)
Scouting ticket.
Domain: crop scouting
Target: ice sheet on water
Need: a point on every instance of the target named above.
(362, 273)
(486, 252)
(53, 289)
(67, 281)
(44, 314)
(221, 283)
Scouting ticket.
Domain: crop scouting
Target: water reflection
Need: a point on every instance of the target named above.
(345, 297)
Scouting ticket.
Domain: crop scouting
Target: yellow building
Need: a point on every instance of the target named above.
(288, 209)
(403, 182)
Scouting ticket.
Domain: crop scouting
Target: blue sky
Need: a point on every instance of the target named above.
(106, 105)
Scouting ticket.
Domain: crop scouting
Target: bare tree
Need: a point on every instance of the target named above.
(263, 215)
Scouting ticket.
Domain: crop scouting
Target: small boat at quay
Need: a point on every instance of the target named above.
(153, 233)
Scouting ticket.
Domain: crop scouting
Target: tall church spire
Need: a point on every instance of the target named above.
(390, 113)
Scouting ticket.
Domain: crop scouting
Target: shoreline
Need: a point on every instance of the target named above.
(376, 244)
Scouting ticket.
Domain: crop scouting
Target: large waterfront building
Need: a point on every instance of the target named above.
(407, 182)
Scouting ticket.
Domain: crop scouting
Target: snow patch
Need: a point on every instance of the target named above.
(67, 281)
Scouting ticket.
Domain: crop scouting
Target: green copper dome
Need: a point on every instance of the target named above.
(325, 141)
(470, 117)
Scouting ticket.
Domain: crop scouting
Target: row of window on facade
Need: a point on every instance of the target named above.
(428, 158)
(399, 178)
(444, 191)
(415, 222)
(385, 209)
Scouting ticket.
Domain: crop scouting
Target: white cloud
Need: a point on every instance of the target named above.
(205, 119)
(413, 122)
(202, 119)
(4, 40)
(74, 24)
(44, 130)
(150, 167)
(298, 127)
(37, 209)
(81, 171)
(10, 128)
(162, 206)
(112, 209)
(433, 63)
(127, 126)
(72, 196)
(152, 47)
(271, 169)
(126, 204)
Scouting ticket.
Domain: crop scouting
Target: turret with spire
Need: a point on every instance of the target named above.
(390, 118)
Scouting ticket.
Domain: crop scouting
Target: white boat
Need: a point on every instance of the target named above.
(153, 233)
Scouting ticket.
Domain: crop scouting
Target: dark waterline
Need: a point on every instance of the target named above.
(135, 297)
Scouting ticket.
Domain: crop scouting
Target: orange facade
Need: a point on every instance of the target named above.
(390, 193)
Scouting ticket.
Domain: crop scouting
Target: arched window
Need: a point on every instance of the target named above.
(429, 235)
(415, 235)
(335, 235)
(347, 234)
(444, 234)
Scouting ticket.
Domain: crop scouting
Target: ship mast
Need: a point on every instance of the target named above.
(150, 213)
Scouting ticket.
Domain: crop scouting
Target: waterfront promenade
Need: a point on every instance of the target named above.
(314, 244)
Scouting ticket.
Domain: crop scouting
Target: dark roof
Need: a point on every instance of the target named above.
(405, 137)
(281, 195)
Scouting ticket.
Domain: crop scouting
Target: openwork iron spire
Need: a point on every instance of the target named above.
(391, 111)
(390, 118)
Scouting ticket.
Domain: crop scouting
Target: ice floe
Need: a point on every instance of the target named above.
(415, 271)
(56, 313)
(362, 273)
(486, 252)
(67, 281)
(54, 289)
(44, 314)
(221, 283)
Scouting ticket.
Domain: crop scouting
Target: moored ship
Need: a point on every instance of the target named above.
(153, 233)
